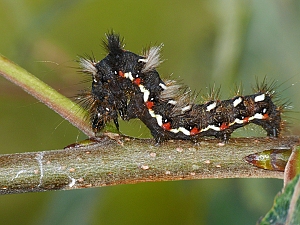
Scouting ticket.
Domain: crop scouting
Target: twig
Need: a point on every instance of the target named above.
(120, 160)
(124, 160)
(44, 93)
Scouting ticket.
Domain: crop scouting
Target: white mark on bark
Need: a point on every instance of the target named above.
(73, 182)
(39, 158)
(21, 171)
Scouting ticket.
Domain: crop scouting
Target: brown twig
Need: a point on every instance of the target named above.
(124, 160)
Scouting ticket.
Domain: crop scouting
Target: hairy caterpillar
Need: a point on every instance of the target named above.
(128, 85)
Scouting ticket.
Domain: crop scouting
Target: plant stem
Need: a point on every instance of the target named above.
(47, 95)
(124, 160)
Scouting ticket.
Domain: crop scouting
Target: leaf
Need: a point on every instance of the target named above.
(286, 207)
(293, 166)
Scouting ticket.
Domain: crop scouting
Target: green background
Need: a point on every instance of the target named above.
(205, 43)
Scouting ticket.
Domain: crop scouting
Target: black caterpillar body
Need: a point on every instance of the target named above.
(127, 85)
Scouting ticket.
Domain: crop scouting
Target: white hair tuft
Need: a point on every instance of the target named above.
(152, 59)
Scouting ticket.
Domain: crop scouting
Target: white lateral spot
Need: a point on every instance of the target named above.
(211, 106)
(183, 130)
(238, 121)
(186, 108)
(159, 119)
(259, 98)
(237, 101)
(129, 76)
(204, 129)
(145, 91)
(175, 131)
(151, 112)
(163, 86)
(258, 116)
(213, 127)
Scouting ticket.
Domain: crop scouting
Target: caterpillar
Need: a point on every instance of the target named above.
(128, 85)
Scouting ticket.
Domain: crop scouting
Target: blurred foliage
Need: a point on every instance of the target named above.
(286, 207)
(205, 43)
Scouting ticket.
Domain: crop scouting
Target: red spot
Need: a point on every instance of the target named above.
(224, 126)
(166, 126)
(121, 74)
(246, 120)
(266, 116)
(149, 104)
(194, 131)
(137, 81)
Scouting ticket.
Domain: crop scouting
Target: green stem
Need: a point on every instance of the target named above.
(47, 95)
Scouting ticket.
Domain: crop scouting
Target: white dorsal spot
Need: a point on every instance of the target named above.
(211, 106)
(237, 101)
(186, 108)
(172, 102)
(163, 86)
(264, 110)
(259, 98)
(143, 60)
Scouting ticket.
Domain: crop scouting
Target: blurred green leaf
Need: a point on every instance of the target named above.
(286, 208)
